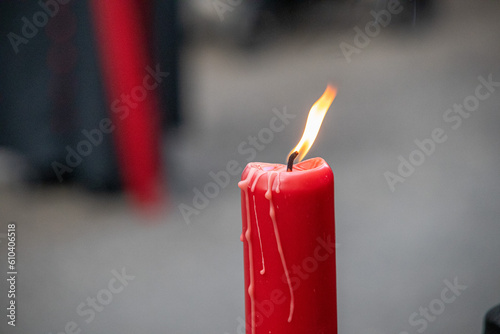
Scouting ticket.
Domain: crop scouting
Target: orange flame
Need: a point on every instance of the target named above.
(314, 120)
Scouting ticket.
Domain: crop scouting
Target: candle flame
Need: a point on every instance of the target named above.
(314, 120)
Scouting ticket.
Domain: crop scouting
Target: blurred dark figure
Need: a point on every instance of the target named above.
(57, 91)
(492, 321)
(248, 23)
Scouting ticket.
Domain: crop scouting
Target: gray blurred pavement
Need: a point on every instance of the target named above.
(396, 248)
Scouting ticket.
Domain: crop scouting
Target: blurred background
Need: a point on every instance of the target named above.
(114, 115)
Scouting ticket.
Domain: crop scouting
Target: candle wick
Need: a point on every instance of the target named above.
(291, 158)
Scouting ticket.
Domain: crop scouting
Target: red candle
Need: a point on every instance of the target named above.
(289, 241)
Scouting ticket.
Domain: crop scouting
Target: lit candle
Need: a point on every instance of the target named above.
(289, 240)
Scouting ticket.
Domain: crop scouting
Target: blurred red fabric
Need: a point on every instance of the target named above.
(123, 32)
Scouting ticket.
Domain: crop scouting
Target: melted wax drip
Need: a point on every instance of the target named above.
(272, 214)
(278, 183)
(263, 270)
(244, 185)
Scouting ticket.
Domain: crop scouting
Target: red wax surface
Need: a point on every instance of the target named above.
(304, 230)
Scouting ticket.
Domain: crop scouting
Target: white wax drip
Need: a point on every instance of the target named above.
(263, 270)
(244, 186)
(272, 214)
